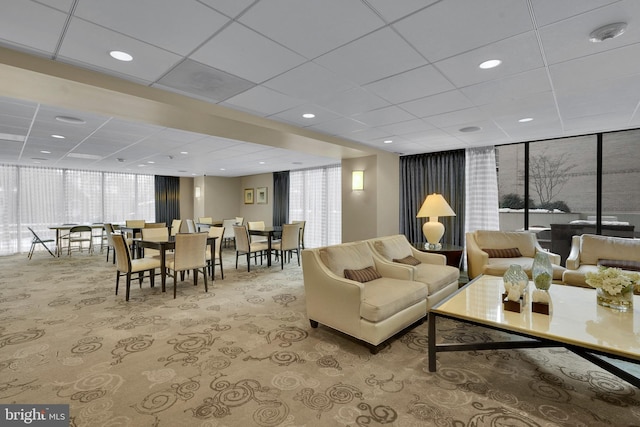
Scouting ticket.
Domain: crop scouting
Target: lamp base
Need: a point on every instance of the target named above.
(433, 230)
(433, 246)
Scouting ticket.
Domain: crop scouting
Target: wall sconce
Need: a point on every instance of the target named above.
(197, 192)
(357, 180)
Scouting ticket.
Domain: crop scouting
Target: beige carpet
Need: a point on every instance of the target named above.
(243, 354)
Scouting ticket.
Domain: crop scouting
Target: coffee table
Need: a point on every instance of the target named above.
(575, 322)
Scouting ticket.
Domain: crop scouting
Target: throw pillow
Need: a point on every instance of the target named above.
(503, 253)
(622, 264)
(362, 276)
(408, 260)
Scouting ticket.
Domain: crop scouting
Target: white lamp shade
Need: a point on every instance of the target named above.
(434, 206)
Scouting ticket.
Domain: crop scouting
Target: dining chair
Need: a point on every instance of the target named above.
(245, 247)
(157, 235)
(38, 241)
(191, 226)
(135, 223)
(302, 225)
(240, 220)
(175, 226)
(126, 266)
(228, 235)
(190, 254)
(80, 234)
(108, 228)
(256, 225)
(216, 257)
(154, 225)
(205, 220)
(98, 235)
(289, 243)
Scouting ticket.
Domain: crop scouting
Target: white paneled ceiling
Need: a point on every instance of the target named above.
(371, 71)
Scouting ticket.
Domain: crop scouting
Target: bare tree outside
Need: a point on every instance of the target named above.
(547, 175)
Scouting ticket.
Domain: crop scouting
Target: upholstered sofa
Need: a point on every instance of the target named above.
(492, 252)
(430, 268)
(384, 303)
(590, 250)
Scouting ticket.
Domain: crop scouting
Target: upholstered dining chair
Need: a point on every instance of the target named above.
(229, 235)
(256, 225)
(157, 235)
(205, 220)
(191, 226)
(38, 241)
(135, 223)
(126, 266)
(216, 257)
(245, 247)
(175, 226)
(80, 234)
(189, 254)
(108, 228)
(289, 243)
(302, 225)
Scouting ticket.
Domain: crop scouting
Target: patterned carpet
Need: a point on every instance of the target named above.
(243, 354)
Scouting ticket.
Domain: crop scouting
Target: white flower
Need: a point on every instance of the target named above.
(612, 280)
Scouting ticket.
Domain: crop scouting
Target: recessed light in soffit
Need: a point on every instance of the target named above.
(470, 129)
(71, 120)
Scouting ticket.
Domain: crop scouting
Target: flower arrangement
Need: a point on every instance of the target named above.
(613, 280)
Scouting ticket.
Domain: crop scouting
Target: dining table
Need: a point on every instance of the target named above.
(270, 233)
(59, 229)
(166, 245)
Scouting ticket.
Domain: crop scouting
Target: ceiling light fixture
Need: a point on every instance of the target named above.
(121, 56)
(492, 63)
(525, 120)
(388, 141)
(57, 136)
(150, 162)
(184, 152)
(607, 32)
(71, 120)
(470, 129)
(308, 115)
(45, 152)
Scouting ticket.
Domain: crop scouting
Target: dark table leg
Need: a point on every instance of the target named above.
(432, 342)
(163, 269)
(269, 250)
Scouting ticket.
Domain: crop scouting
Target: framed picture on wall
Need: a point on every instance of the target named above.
(261, 195)
(248, 196)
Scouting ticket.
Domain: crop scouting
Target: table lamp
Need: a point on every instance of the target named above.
(434, 206)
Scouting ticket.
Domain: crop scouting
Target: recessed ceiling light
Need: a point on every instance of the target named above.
(57, 136)
(262, 163)
(151, 162)
(388, 141)
(470, 129)
(525, 120)
(492, 63)
(45, 152)
(308, 115)
(71, 120)
(184, 152)
(222, 169)
(141, 165)
(84, 156)
(607, 32)
(121, 56)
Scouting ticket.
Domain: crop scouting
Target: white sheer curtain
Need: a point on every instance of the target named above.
(481, 200)
(315, 197)
(39, 197)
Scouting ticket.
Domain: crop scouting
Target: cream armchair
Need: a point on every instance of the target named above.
(371, 311)
(492, 252)
(590, 250)
(430, 268)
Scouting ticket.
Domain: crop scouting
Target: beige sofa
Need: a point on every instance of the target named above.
(371, 311)
(433, 271)
(588, 250)
(501, 244)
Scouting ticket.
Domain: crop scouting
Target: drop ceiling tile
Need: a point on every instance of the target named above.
(384, 116)
(229, 7)
(311, 28)
(178, 27)
(25, 24)
(204, 82)
(518, 54)
(237, 49)
(407, 127)
(510, 88)
(262, 101)
(460, 118)
(507, 112)
(546, 11)
(340, 126)
(449, 28)
(309, 81)
(440, 103)
(413, 84)
(376, 56)
(569, 39)
(294, 115)
(90, 45)
(392, 11)
(352, 101)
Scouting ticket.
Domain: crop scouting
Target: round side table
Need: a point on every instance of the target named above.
(452, 252)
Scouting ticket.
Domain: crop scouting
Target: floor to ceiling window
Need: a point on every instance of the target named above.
(39, 197)
(315, 197)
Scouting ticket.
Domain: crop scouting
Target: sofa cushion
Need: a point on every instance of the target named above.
(577, 277)
(393, 247)
(382, 298)
(503, 253)
(364, 275)
(351, 256)
(494, 239)
(622, 264)
(410, 260)
(436, 277)
(594, 248)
